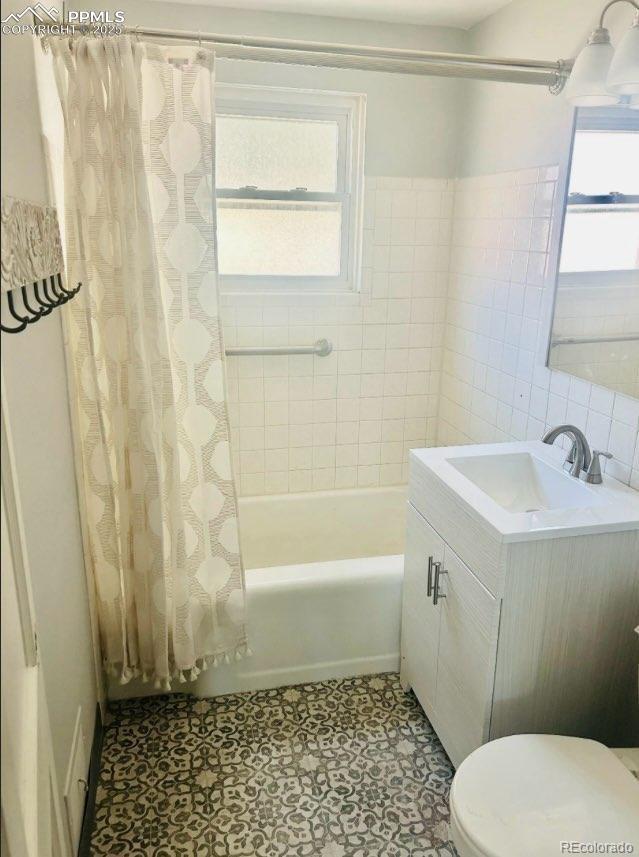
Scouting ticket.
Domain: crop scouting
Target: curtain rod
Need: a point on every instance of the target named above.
(369, 58)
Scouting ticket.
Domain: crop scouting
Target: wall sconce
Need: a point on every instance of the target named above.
(602, 75)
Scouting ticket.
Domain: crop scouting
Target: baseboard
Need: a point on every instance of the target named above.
(84, 849)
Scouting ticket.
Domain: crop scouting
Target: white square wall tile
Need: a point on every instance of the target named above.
(390, 474)
(577, 415)
(521, 395)
(324, 434)
(276, 413)
(539, 403)
(345, 477)
(252, 461)
(323, 479)
(347, 433)
(276, 389)
(560, 384)
(402, 230)
(602, 400)
(276, 483)
(251, 438)
(300, 480)
(626, 410)
(300, 458)
(368, 475)
(598, 431)
(276, 459)
(404, 203)
(346, 455)
(623, 439)
(370, 431)
(579, 391)
(323, 457)
(276, 437)
(251, 484)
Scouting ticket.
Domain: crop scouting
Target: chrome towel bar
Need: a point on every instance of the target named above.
(322, 348)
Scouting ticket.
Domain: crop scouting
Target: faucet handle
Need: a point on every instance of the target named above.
(570, 458)
(594, 471)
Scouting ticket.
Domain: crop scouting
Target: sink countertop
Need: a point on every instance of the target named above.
(615, 506)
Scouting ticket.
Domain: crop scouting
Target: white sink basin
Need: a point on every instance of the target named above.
(521, 491)
(520, 482)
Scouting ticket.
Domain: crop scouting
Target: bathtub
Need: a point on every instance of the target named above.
(323, 585)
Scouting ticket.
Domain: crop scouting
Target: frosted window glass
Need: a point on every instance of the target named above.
(287, 239)
(605, 161)
(276, 154)
(600, 240)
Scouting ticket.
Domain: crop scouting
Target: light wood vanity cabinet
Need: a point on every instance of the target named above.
(549, 647)
(448, 640)
(469, 621)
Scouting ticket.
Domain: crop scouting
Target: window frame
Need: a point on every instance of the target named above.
(348, 110)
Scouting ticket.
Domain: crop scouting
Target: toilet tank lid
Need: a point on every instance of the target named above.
(525, 794)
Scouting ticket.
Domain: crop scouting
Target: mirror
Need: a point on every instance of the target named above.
(595, 326)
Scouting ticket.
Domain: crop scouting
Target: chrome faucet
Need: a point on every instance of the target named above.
(579, 457)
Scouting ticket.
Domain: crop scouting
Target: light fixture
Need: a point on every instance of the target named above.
(623, 75)
(586, 85)
(600, 75)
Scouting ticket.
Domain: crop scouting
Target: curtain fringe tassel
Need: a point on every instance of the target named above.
(125, 674)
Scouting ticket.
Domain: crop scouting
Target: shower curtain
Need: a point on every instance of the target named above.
(145, 352)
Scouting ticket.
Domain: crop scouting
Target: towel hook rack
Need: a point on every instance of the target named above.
(31, 259)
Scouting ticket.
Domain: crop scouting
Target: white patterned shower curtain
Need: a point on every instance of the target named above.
(145, 352)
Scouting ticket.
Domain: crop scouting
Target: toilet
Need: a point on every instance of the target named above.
(525, 795)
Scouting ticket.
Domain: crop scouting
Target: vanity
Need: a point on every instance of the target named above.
(521, 595)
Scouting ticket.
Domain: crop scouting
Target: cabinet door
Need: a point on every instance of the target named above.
(469, 619)
(420, 618)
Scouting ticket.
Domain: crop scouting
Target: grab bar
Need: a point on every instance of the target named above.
(322, 348)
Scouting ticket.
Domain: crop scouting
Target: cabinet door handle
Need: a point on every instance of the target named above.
(429, 580)
(438, 572)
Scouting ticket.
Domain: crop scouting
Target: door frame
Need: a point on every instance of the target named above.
(50, 837)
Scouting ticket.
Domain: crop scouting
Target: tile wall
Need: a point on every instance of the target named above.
(310, 423)
(494, 385)
(430, 351)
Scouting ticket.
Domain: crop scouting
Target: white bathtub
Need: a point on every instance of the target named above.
(323, 581)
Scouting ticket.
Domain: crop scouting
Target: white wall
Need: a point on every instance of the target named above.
(411, 120)
(38, 413)
(495, 385)
(510, 126)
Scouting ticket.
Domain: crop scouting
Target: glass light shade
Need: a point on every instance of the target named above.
(586, 85)
(623, 75)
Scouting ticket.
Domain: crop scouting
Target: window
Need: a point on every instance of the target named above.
(601, 227)
(288, 184)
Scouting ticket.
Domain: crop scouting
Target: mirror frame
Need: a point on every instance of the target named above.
(554, 249)
(551, 279)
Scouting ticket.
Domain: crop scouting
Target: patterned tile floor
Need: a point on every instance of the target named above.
(347, 768)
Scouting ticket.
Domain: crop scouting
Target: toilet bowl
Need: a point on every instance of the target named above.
(525, 795)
